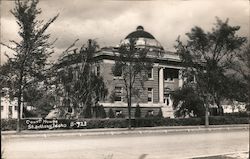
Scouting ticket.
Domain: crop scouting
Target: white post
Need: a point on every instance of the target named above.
(180, 78)
(161, 85)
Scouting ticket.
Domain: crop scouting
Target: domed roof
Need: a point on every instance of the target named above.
(140, 33)
(144, 39)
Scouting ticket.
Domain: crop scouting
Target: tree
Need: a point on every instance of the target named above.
(43, 100)
(243, 68)
(77, 82)
(134, 64)
(187, 102)
(28, 66)
(160, 114)
(243, 65)
(137, 111)
(100, 111)
(111, 113)
(88, 112)
(238, 88)
(103, 112)
(209, 55)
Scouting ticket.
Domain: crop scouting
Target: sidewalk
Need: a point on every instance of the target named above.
(122, 131)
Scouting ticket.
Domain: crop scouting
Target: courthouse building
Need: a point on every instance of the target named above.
(164, 78)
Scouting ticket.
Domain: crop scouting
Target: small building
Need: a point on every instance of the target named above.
(8, 106)
(233, 106)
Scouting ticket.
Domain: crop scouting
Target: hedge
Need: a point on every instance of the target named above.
(237, 114)
(10, 124)
(219, 120)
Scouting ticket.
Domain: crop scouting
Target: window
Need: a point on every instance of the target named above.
(167, 95)
(1, 107)
(118, 93)
(118, 72)
(150, 94)
(98, 70)
(10, 111)
(15, 107)
(70, 110)
(150, 73)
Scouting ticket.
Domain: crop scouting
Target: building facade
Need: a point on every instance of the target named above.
(8, 106)
(164, 78)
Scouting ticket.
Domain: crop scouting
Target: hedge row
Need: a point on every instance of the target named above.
(237, 114)
(10, 124)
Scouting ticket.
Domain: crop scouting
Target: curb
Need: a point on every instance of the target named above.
(218, 155)
(122, 131)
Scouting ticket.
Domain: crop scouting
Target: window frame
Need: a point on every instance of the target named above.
(118, 95)
(119, 76)
(150, 93)
(152, 74)
(98, 70)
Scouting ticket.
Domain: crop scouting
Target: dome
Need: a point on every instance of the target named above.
(144, 39)
(140, 33)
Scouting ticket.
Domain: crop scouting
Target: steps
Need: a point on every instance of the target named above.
(167, 111)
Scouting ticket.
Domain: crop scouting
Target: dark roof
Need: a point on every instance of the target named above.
(140, 33)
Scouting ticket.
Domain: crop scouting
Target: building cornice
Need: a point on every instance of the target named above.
(163, 58)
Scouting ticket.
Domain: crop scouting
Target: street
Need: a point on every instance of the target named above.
(136, 146)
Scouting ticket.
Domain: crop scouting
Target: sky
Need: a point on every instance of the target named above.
(110, 21)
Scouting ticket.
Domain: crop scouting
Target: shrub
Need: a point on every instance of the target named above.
(88, 112)
(219, 120)
(237, 114)
(137, 111)
(100, 112)
(106, 123)
(10, 124)
(111, 113)
(187, 102)
(160, 115)
(103, 113)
